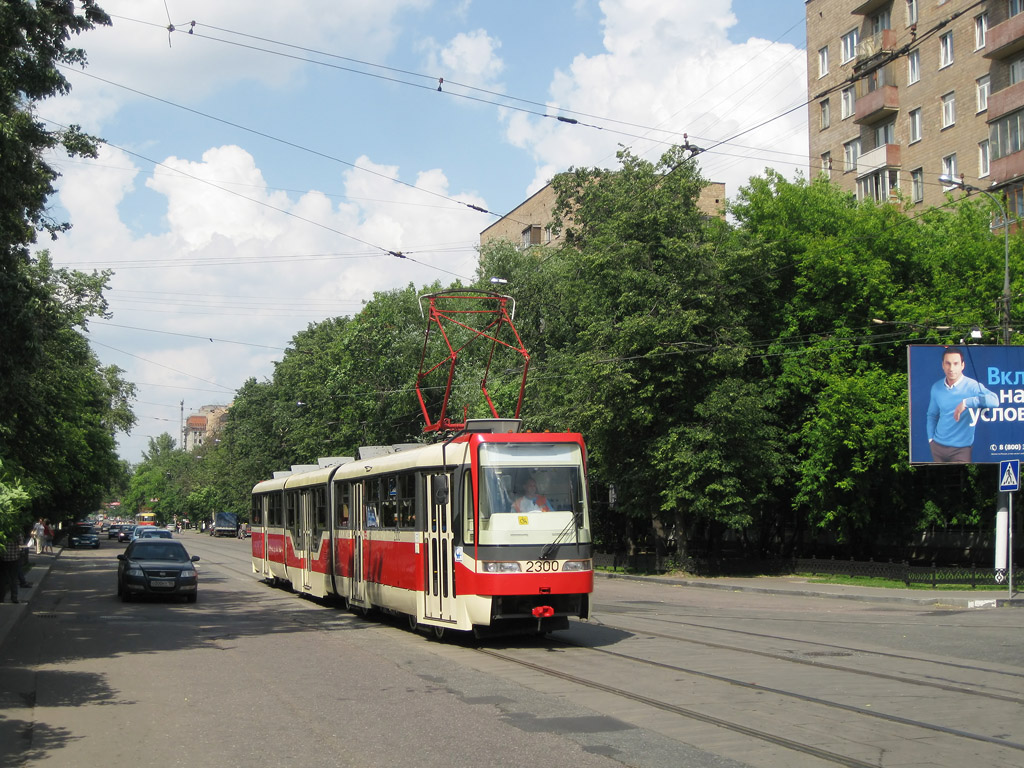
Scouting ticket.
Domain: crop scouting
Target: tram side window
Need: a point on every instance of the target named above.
(372, 500)
(342, 501)
(320, 500)
(389, 502)
(256, 516)
(407, 500)
(274, 510)
(291, 509)
(467, 507)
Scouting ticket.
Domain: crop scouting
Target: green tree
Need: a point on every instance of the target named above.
(60, 409)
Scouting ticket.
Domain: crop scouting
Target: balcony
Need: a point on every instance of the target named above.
(876, 45)
(1006, 38)
(876, 105)
(868, 6)
(1006, 169)
(885, 156)
(1005, 101)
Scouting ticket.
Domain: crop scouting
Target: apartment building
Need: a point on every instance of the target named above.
(904, 91)
(529, 223)
(199, 428)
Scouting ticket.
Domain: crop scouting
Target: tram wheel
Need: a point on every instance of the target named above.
(413, 624)
(439, 633)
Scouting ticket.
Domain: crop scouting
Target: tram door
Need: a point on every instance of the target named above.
(357, 594)
(438, 560)
(307, 510)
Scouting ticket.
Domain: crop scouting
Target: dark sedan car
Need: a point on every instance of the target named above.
(83, 536)
(156, 567)
(113, 530)
(125, 534)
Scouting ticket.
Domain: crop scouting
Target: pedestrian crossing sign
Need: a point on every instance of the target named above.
(1009, 475)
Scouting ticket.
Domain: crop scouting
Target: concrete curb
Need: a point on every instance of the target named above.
(787, 586)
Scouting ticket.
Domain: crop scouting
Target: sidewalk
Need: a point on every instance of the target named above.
(802, 586)
(11, 614)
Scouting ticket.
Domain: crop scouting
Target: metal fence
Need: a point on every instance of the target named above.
(933, 575)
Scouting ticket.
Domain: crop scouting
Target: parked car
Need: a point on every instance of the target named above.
(125, 534)
(156, 566)
(149, 532)
(83, 536)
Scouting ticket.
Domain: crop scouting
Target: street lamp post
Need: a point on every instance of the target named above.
(1004, 321)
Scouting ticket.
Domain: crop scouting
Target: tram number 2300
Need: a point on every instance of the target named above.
(541, 566)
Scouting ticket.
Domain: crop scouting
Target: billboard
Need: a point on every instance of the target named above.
(966, 404)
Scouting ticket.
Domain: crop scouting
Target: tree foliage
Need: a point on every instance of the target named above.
(61, 408)
(741, 384)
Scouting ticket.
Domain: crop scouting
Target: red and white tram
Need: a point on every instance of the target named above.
(488, 531)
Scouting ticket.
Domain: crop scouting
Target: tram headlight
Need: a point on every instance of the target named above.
(502, 567)
(576, 565)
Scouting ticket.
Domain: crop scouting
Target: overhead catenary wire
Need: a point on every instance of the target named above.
(560, 114)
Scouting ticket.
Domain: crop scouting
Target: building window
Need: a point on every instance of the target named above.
(980, 30)
(984, 87)
(878, 186)
(823, 61)
(532, 236)
(911, 12)
(1004, 135)
(1016, 71)
(826, 163)
(826, 114)
(850, 40)
(848, 103)
(915, 125)
(946, 50)
(949, 109)
(949, 168)
(880, 21)
(885, 134)
(851, 153)
(917, 184)
(1016, 6)
(983, 159)
(1015, 201)
(913, 67)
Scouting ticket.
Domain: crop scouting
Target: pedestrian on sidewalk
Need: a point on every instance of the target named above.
(9, 557)
(39, 535)
(47, 537)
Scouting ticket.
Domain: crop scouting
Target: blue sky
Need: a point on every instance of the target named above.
(259, 169)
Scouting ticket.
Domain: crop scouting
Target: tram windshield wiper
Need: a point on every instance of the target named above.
(550, 550)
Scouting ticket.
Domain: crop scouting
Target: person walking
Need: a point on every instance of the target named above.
(47, 537)
(39, 535)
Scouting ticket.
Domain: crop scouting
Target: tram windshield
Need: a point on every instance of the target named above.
(531, 493)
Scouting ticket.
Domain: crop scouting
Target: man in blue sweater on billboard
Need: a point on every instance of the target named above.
(950, 419)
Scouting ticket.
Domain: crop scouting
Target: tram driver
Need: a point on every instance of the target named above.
(530, 500)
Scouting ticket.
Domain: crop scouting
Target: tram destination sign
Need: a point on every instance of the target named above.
(966, 404)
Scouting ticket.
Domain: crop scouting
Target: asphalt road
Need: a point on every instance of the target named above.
(666, 675)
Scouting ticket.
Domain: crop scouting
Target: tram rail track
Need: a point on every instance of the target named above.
(903, 679)
(734, 687)
(734, 725)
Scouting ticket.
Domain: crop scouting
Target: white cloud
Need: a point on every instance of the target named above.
(670, 66)
(470, 58)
